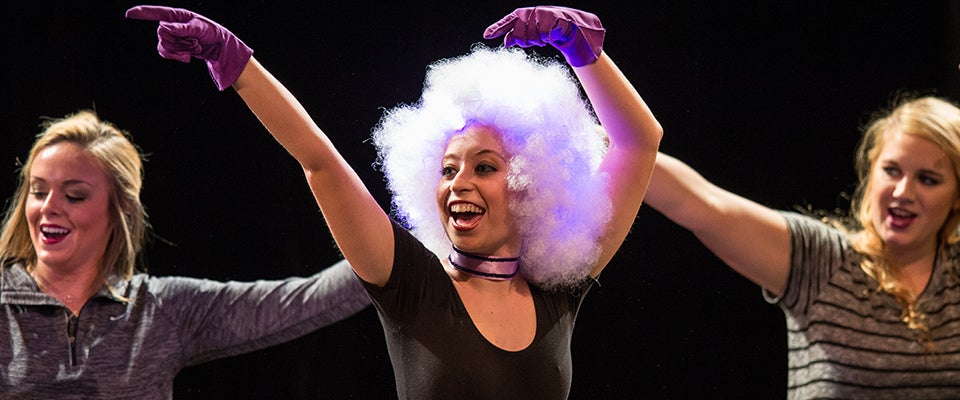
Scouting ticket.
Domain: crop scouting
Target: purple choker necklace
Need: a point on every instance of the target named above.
(492, 268)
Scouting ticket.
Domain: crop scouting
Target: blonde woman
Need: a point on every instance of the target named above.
(872, 302)
(76, 318)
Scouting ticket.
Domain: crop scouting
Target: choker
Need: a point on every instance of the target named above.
(492, 268)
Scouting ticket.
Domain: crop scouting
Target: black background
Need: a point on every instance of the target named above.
(764, 98)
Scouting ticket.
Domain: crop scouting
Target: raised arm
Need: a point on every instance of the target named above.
(633, 131)
(752, 239)
(634, 139)
(360, 227)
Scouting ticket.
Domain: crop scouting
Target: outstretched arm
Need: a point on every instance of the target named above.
(752, 239)
(633, 131)
(360, 227)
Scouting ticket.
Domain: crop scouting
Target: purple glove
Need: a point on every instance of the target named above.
(183, 33)
(577, 34)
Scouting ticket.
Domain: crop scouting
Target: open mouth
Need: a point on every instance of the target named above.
(900, 218)
(465, 216)
(53, 234)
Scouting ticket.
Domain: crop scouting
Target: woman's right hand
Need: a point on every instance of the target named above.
(183, 34)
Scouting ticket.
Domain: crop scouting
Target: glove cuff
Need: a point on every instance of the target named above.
(227, 68)
(584, 48)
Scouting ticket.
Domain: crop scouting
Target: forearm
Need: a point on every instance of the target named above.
(284, 117)
(679, 192)
(634, 135)
(752, 239)
(220, 319)
(355, 219)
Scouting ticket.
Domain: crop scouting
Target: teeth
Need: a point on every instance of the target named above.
(465, 208)
(54, 231)
(900, 213)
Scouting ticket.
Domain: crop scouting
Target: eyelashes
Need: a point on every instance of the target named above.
(41, 195)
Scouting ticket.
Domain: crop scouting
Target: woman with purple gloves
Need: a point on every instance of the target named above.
(510, 197)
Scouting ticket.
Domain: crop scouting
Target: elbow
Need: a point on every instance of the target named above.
(649, 137)
(315, 176)
(311, 169)
(649, 141)
(653, 145)
(315, 163)
(645, 140)
(654, 135)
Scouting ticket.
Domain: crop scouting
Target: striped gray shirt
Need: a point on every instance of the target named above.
(847, 341)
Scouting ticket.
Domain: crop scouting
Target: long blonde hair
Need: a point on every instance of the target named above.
(929, 118)
(121, 161)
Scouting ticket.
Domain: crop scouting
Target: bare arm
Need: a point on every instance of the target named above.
(752, 239)
(360, 227)
(633, 131)
(634, 139)
(358, 224)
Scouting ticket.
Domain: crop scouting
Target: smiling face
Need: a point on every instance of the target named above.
(472, 196)
(68, 208)
(913, 188)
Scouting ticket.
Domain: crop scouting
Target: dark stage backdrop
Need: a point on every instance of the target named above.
(764, 98)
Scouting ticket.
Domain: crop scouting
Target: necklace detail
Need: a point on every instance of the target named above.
(492, 268)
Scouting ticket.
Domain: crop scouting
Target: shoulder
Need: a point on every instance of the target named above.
(14, 276)
(808, 227)
(164, 289)
(952, 252)
(819, 244)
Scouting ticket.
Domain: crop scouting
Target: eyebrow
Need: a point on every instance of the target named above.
(490, 151)
(69, 182)
(476, 154)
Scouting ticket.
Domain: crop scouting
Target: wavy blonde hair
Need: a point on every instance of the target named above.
(121, 161)
(554, 146)
(927, 117)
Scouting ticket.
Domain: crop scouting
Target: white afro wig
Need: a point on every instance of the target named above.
(552, 139)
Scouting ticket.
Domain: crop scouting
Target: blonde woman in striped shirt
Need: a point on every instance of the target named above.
(872, 300)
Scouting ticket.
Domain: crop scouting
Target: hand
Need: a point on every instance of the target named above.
(183, 33)
(577, 34)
